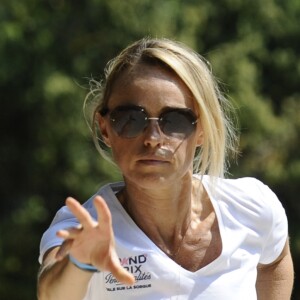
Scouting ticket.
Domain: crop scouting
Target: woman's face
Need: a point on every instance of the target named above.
(152, 156)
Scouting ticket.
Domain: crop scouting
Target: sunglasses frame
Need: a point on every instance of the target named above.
(190, 116)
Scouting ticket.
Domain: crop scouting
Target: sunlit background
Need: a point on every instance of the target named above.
(49, 49)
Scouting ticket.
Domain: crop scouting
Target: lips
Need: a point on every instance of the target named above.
(159, 157)
(153, 159)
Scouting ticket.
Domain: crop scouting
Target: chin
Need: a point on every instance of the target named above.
(151, 180)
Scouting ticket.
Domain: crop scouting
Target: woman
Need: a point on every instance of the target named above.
(174, 229)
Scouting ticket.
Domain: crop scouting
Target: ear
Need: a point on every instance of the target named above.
(102, 122)
(200, 137)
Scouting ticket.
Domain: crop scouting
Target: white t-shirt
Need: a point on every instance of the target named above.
(253, 228)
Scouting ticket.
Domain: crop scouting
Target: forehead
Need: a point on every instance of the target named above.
(150, 86)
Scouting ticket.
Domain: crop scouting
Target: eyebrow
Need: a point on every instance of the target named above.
(105, 110)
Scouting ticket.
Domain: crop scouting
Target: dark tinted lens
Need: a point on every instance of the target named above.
(128, 122)
(179, 123)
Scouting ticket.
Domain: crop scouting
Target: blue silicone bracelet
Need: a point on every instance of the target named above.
(82, 266)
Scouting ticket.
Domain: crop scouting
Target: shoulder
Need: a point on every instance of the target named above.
(249, 206)
(244, 185)
(248, 200)
(242, 190)
(107, 192)
(65, 219)
(252, 193)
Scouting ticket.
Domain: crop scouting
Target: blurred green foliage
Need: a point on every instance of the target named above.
(49, 48)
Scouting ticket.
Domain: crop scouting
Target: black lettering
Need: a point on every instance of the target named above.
(142, 259)
(138, 269)
(132, 260)
(110, 279)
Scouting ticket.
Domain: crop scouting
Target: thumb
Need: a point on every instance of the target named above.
(121, 274)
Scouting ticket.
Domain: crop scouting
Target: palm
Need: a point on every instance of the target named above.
(94, 242)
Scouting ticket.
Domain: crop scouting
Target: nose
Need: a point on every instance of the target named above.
(153, 134)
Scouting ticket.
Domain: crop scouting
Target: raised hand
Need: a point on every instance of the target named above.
(93, 241)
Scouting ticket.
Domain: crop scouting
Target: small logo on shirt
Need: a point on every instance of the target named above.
(136, 266)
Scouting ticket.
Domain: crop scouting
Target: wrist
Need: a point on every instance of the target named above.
(82, 266)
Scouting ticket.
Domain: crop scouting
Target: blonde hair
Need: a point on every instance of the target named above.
(219, 132)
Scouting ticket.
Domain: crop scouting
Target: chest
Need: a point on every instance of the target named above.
(158, 277)
(200, 249)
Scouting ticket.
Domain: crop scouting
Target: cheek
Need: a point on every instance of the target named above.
(122, 151)
(184, 154)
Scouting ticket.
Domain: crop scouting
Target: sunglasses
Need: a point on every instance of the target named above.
(131, 121)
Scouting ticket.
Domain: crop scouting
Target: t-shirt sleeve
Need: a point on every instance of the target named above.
(62, 220)
(277, 232)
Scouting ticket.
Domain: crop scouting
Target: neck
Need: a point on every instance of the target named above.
(164, 214)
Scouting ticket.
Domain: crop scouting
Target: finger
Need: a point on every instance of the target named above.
(70, 233)
(80, 213)
(64, 250)
(64, 234)
(123, 276)
(119, 272)
(114, 266)
(103, 212)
